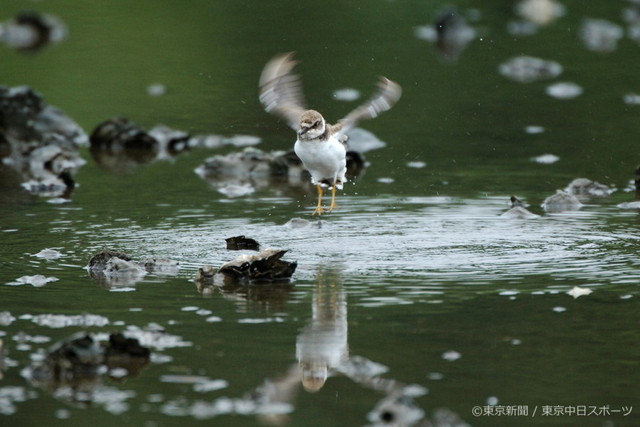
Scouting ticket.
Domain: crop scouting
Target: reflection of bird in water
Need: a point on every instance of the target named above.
(322, 345)
(320, 146)
(322, 350)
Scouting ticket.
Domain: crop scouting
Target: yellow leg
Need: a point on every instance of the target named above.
(319, 210)
(333, 198)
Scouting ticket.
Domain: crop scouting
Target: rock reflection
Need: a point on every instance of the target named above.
(74, 369)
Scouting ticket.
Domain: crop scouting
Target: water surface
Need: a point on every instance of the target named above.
(415, 296)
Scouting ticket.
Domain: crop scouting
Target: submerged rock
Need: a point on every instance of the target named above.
(30, 31)
(39, 142)
(241, 242)
(99, 261)
(564, 90)
(577, 291)
(545, 159)
(518, 210)
(113, 268)
(297, 223)
(37, 281)
(600, 35)
(584, 189)
(539, 12)
(49, 254)
(161, 266)
(527, 69)
(561, 202)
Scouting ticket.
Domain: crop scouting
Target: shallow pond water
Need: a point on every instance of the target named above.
(416, 299)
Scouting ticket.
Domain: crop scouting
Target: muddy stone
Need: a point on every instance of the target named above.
(39, 141)
(561, 202)
(98, 262)
(527, 69)
(118, 144)
(585, 189)
(119, 140)
(518, 210)
(112, 268)
(266, 265)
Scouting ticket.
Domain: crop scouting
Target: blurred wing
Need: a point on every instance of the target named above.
(281, 90)
(386, 96)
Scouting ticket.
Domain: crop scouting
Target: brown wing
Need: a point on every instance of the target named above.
(281, 90)
(386, 96)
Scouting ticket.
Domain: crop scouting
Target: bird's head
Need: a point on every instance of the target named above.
(312, 125)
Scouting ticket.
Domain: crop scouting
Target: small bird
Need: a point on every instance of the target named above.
(320, 146)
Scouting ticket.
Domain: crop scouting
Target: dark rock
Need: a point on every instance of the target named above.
(454, 34)
(121, 347)
(241, 242)
(266, 265)
(98, 262)
(118, 141)
(112, 268)
(39, 142)
(30, 31)
(118, 144)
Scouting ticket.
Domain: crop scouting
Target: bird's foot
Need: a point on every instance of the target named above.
(319, 211)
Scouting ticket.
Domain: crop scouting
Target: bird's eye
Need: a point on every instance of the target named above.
(316, 124)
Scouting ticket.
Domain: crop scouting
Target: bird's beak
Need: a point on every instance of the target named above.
(303, 131)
